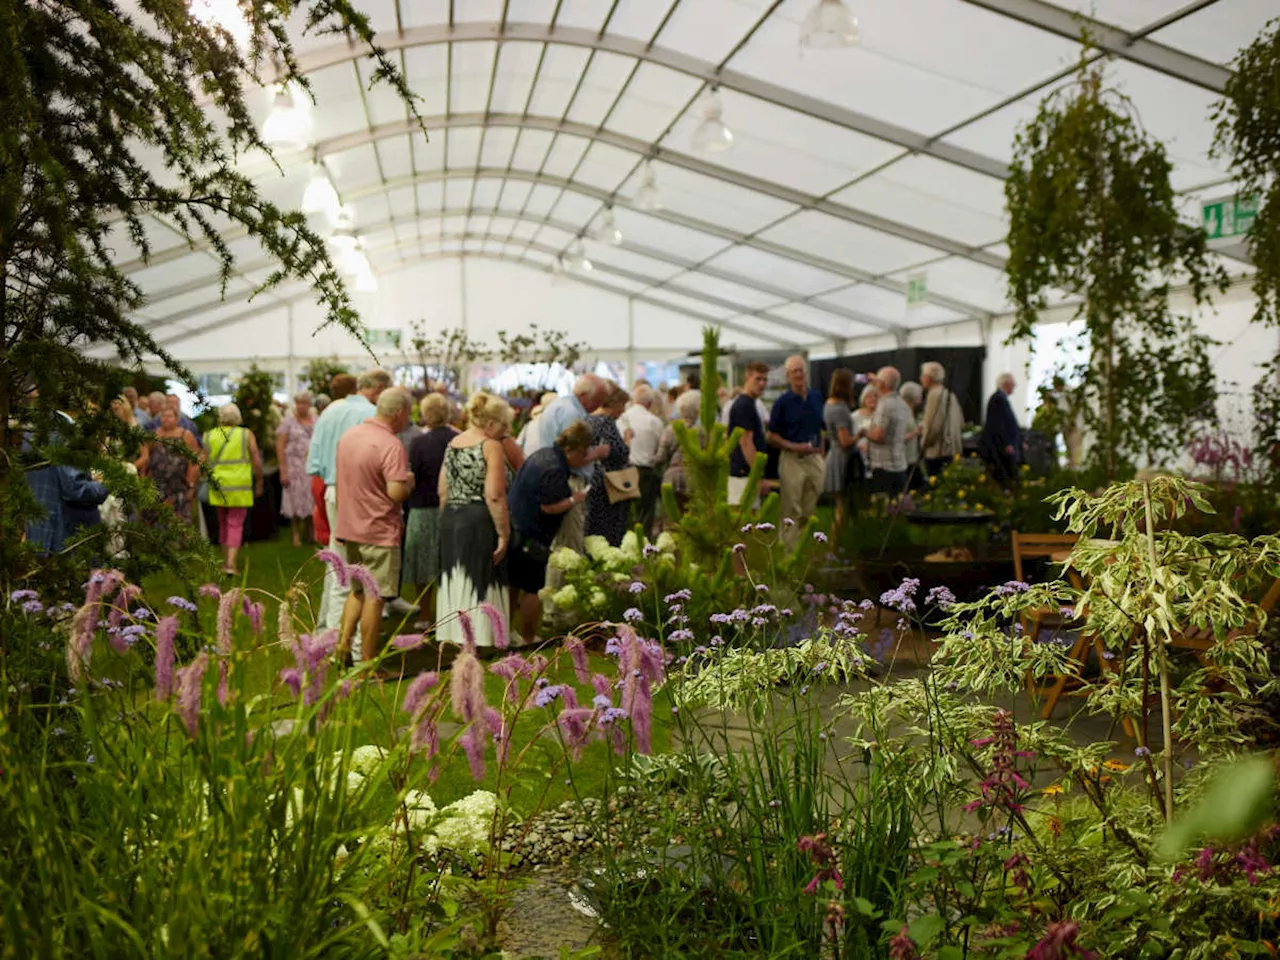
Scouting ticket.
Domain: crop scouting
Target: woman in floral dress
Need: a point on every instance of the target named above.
(293, 440)
(174, 475)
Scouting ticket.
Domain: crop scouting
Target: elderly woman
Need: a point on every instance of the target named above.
(236, 464)
(293, 441)
(173, 474)
(862, 418)
(605, 518)
(913, 395)
(426, 458)
(474, 524)
(687, 406)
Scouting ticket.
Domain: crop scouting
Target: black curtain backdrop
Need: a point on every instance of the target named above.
(964, 366)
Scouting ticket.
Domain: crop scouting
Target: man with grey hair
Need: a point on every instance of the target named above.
(1001, 442)
(890, 424)
(643, 432)
(322, 462)
(140, 415)
(943, 423)
(796, 426)
(373, 479)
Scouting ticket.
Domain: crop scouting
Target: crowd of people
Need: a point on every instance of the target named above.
(442, 504)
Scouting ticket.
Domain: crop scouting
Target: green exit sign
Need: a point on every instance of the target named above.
(386, 339)
(1230, 217)
(917, 289)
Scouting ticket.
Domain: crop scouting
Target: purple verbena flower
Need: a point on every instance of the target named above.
(632, 615)
(940, 596)
(18, 596)
(182, 603)
(546, 696)
(635, 587)
(32, 607)
(819, 536)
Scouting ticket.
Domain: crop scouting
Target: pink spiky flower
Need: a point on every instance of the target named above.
(190, 688)
(166, 632)
(497, 624)
(577, 650)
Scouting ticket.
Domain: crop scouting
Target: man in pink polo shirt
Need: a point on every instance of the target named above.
(373, 479)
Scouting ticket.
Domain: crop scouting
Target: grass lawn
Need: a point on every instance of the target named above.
(271, 568)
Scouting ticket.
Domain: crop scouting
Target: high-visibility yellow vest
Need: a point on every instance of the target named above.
(232, 466)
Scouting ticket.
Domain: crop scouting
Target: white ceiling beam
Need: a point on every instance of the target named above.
(750, 283)
(623, 274)
(675, 158)
(706, 71)
(1112, 40)
(850, 273)
(247, 315)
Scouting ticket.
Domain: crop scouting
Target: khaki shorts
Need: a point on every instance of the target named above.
(383, 563)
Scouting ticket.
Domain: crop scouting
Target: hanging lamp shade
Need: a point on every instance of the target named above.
(320, 197)
(711, 135)
(829, 26)
(577, 258)
(648, 196)
(286, 126)
(608, 231)
(343, 241)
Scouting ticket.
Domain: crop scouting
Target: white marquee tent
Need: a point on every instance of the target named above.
(852, 171)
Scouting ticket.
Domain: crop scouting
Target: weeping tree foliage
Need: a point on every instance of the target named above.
(443, 354)
(1248, 136)
(116, 117)
(1092, 213)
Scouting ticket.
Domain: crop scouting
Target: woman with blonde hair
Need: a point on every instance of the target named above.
(232, 453)
(474, 524)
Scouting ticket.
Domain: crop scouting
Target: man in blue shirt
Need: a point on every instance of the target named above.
(70, 501)
(795, 427)
(743, 413)
(322, 462)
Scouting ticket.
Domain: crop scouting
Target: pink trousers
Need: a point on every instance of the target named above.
(231, 525)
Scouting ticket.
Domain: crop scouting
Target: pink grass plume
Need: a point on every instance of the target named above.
(190, 690)
(577, 650)
(367, 583)
(166, 632)
(468, 632)
(497, 624)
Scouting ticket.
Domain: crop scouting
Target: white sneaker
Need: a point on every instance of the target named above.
(399, 606)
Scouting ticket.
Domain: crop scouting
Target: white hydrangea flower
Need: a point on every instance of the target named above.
(466, 826)
(420, 809)
(631, 547)
(666, 543)
(364, 760)
(565, 597)
(596, 547)
(567, 559)
(598, 598)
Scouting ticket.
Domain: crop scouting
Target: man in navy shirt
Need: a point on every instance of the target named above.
(795, 426)
(743, 413)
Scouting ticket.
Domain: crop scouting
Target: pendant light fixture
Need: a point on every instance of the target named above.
(608, 231)
(711, 135)
(648, 197)
(343, 241)
(829, 26)
(320, 197)
(286, 125)
(577, 258)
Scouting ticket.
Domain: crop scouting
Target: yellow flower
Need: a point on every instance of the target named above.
(960, 494)
(978, 506)
(1116, 765)
(1052, 791)
(933, 481)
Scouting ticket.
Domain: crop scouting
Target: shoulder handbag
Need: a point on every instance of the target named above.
(622, 484)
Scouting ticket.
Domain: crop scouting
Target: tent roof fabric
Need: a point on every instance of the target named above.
(851, 170)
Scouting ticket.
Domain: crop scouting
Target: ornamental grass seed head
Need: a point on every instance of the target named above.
(190, 690)
(166, 632)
